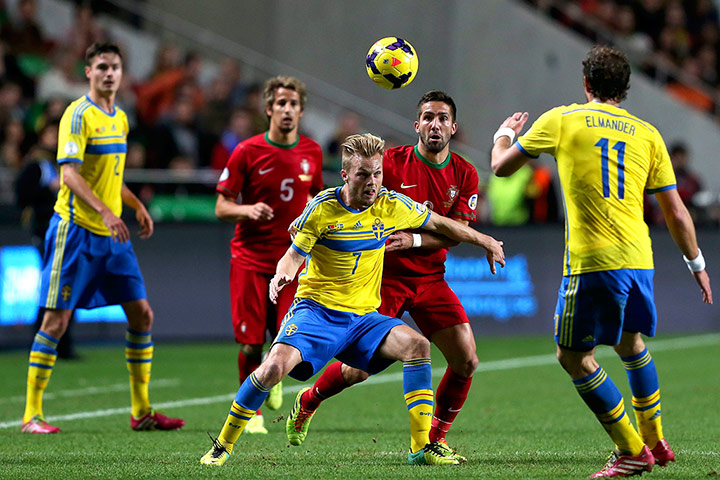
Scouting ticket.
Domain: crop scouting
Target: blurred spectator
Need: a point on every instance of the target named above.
(689, 91)
(219, 106)
(688, 183)
(635, 44)
(63, 80)
(231, 71)
(12, 146)
(255, 104)
(348, 124)
(11, 72)
(156, 96)
(25, 36)
(84, 31)
(177, 135)
(38, 183)
(542, 194)
(508, 197)
(238, 129)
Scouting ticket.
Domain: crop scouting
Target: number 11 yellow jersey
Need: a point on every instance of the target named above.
(607, 159)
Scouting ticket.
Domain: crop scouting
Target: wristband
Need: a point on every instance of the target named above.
(697, 264)
(417, 240)
(504, 132)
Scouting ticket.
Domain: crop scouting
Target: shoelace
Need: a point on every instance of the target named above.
(218, 448)
(610, 462)
(437, 449)
(302, 415)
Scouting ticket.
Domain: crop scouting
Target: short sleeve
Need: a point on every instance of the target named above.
(72, 136)
(307, 226)
(543, 135)
(409, 214)
(465, 205)
(233, 175)
(661, 175)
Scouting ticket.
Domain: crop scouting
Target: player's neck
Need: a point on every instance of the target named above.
(432, 157)
(345, 197)
(285, 138)
(106, 104)
(614, 103)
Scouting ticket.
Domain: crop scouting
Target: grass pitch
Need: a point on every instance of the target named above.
(523, 418)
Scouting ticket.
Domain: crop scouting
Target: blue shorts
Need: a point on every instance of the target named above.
(320, 334)
(86, 270)
(595, 308)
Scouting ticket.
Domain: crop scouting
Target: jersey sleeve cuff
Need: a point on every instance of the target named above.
(299, 250)
(426, 219)
(60, 161)
(226, 192)
(525, 152)
(661, 189)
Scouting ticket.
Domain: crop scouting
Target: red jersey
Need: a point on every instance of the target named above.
(449, 189)
(283, 177)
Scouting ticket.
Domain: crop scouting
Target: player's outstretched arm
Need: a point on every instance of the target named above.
(403, 240)
(147, 226)
(506, 160)
(682, 231)
(227, 210)
(285, 272)
(77, 184)
(462, 233)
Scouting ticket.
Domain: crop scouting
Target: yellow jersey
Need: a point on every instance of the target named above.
(344, 247)
(98, 141)
(607, 159)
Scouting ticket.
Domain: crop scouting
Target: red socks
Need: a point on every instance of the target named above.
(449, 399)
(330, 383)
(246, 365)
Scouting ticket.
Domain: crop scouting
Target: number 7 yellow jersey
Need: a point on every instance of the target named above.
(344, 247)
(607, 159)
(97, 140)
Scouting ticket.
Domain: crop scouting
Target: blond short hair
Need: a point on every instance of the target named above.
(291, 83)
(365, 145)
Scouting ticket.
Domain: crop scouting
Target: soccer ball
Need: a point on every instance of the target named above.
(392, 62)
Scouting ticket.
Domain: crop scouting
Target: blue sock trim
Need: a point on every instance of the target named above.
(249, 396)
(417, 375)
(598, 391)
(48, 337)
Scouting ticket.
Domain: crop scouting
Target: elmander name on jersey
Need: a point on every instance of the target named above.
(595, 121)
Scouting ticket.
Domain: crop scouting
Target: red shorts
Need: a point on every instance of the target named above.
(431, 303)
(253, 313)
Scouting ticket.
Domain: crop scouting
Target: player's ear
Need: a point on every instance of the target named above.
(454, 128)
(417, 126)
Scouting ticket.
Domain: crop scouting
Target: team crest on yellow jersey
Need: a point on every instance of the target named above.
(290, 329)
(378, 228)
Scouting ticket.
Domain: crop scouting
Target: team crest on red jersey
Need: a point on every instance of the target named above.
(378, 228)
(451, 193)
(305, 167)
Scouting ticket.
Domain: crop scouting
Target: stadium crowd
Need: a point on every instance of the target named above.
(183, 119)
(675, 42)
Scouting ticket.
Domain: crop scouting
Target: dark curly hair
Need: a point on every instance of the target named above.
(608, 73)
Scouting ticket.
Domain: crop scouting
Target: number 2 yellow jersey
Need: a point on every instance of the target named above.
(98, 141)
(606, 159)
(344, 247)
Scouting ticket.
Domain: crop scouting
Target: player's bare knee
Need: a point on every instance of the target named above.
(417, 347)
(55, 322)
(270, 372)
(466, 366)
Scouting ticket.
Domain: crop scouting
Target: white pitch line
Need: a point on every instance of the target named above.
(497, 365)
(80, 392)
